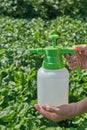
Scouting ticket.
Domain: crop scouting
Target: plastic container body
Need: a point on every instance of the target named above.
(52, 86)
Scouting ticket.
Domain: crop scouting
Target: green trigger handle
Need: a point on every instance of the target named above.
(65, 51)
(71, 52)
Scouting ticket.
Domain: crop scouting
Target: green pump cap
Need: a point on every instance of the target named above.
(53, 55)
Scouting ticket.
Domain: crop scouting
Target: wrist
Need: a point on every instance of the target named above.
(81, 107)
(74, 109)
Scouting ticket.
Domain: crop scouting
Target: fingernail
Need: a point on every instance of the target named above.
(47, 108)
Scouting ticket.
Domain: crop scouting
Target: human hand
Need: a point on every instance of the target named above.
(59, 113)
(80, 58)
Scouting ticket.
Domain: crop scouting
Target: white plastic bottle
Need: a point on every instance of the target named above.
(53, 77)
(53, 86)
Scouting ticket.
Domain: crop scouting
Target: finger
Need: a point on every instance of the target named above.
(71, 58)
(72, 63)
(41, 110)
(37, 107)
(72, 67)
(67, 56)
(50, 108)
(49, 115)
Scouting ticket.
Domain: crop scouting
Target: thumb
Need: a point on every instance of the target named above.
(80, 48)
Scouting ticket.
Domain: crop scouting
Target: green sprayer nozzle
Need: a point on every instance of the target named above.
(53, 39)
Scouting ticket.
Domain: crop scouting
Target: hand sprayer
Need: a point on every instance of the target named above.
(53, 77)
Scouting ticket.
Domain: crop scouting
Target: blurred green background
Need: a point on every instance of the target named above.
(25, 24)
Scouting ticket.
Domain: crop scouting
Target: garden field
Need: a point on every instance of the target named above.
(20, 31)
